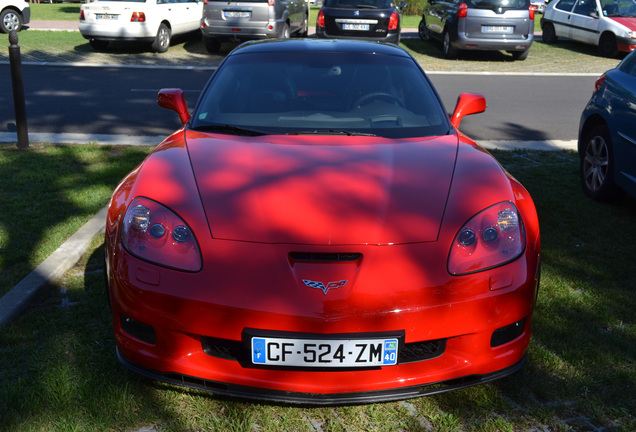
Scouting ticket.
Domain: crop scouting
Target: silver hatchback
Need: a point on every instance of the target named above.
(490, 25)
(242, 20)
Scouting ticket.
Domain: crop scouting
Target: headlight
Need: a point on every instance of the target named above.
(153, 233)
(491, 238)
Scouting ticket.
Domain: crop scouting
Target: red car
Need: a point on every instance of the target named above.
(319, 232)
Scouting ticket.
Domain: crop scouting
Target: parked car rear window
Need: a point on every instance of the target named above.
(497, 4)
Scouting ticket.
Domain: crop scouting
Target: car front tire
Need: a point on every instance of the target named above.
(162, 40)
(549, 34)
(447, 48)
(607, 45)
(10, 20)
(422, 31)
(597, 165)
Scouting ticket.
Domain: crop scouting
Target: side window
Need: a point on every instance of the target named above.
(629, 65)
(585, 7)
(565, 5)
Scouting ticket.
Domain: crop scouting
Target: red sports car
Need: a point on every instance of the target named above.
(319, 232)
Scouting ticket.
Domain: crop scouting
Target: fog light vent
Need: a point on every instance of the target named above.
(138, 330)
(506, 334)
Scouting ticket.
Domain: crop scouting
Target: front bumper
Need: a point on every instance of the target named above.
(391, 292)
(624, 44)
(281, 396)
(26, 15)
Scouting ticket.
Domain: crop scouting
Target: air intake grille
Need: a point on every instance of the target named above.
(325, 257)
(409, 353)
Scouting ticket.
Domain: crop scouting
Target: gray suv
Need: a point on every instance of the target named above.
(490, 25)
(237, 21)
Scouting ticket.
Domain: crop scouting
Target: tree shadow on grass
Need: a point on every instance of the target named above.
(48, 192)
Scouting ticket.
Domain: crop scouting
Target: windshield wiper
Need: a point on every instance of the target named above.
(332, 132)
(229, 129)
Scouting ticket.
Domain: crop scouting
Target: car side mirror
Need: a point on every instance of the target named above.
(174, 99)
(403, 5)
(467, 104)
(594, 15)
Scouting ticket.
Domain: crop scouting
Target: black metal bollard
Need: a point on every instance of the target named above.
(18, 90)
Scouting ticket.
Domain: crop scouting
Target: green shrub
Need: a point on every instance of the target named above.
(415, 7)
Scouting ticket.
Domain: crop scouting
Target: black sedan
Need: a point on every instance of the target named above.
(376, 20)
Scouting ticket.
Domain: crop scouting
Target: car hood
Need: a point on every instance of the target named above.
(323, 190)
(629, 22)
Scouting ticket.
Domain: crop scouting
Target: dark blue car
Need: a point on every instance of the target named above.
(607, 135)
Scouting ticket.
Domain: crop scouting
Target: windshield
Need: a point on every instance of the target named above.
(619, 8)
(320, 92)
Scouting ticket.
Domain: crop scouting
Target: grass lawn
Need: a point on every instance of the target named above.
(47, 193)
(55, 11)
(58, 370)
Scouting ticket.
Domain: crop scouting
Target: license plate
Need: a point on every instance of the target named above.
(497, 29)
(360, 27)
(106, 17)
(236, 14)
(324, 353)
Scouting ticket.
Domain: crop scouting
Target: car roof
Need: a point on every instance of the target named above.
(319, 45)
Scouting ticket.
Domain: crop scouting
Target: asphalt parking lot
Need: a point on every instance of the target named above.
(562, 58)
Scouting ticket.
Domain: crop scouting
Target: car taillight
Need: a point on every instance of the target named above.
(155, 234)
(599, 82)
(394, 21)
(320, 21)
(138, 17)
(271, 2)
(463, 10)
(532, 9)
(491, 238)
(82, 15)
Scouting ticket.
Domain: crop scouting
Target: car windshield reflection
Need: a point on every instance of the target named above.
(289, 92)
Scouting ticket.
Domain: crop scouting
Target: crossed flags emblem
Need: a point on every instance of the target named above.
(325, 288)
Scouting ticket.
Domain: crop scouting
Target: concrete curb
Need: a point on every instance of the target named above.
(66, 256)
(81, 138)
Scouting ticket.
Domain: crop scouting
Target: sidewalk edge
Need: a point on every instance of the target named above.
(66, 256)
